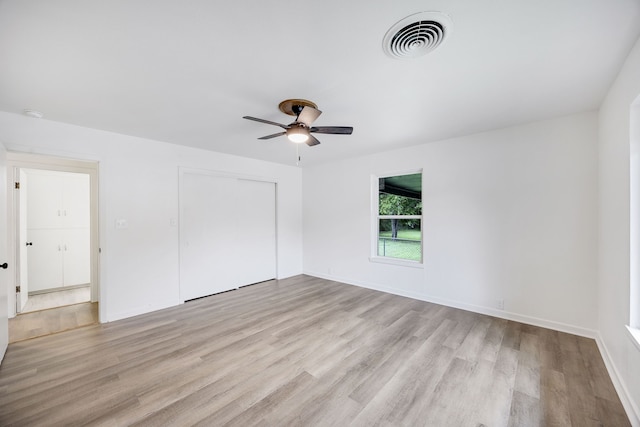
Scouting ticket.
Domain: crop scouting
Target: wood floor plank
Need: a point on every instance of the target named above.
(525, 411)
(554, 398)
(448, 397)
(474, 341)
(493, 339)
(307, 352)
(494, 409)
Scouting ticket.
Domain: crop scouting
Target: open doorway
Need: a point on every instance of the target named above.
(55, 238)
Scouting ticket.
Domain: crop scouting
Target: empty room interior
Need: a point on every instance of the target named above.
(409, 213)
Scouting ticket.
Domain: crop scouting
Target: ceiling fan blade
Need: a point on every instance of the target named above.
(336, 130)
(255, 119)
(308, 115)
(312, 141)
(273, 136)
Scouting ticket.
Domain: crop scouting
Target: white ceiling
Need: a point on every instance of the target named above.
(186, 72)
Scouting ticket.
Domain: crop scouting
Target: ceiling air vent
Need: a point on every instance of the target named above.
(417, 35)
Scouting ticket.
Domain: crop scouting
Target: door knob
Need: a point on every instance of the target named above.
(5, 265)
(29, 243)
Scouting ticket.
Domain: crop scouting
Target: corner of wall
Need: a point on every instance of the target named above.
(633, 412)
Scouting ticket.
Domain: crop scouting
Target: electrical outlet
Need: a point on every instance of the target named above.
(500, 304)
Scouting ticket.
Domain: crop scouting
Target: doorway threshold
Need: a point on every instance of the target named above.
(51, 321)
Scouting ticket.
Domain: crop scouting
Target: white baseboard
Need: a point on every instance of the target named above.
(623, 393)
(112, 317)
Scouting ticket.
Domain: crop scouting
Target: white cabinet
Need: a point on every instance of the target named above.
(76, 260)
(45, 259)
(58, 218)
(57, 200)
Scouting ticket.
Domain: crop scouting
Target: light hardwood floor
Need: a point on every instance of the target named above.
(306, 351)
(51, 321)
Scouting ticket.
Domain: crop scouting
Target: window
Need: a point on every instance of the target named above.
(398, 217)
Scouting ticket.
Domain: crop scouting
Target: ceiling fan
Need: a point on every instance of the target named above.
(300, 129)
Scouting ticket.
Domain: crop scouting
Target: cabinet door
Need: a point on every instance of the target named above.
(75, 201)
(77, 269)
(45, 259)
(45, 201)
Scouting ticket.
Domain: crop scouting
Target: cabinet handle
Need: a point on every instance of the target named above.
(5, 265)
(29, 243)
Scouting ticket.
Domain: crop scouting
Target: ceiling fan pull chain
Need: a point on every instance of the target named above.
(297, 154)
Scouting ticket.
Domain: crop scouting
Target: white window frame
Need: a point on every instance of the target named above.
(375, 223)
(633, 328)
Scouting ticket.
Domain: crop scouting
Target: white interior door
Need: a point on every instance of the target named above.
(4, 273)
(207, 235)
(23, 277)
(256, 218)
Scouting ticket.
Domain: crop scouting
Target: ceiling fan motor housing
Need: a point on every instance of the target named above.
(293, 107)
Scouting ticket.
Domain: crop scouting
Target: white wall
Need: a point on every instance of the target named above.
(613, 255)
(139, 182)
(508, 214)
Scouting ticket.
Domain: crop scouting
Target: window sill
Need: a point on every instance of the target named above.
(396, 261)
(634, 335)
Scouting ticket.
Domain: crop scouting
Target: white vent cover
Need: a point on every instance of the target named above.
(417, 35)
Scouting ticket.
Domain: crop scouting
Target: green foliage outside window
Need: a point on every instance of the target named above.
(390, 204)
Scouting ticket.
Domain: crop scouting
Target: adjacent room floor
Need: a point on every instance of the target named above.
(59, 298)
(53, 312)
(307, 351)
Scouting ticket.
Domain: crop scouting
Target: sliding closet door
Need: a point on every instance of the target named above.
(227, 233)
(207, 235)
(256, 216)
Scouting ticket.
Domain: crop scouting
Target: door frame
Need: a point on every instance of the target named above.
(17, 161)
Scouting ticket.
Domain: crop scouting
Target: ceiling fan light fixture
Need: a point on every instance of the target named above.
(300, 131)
(298, 134)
